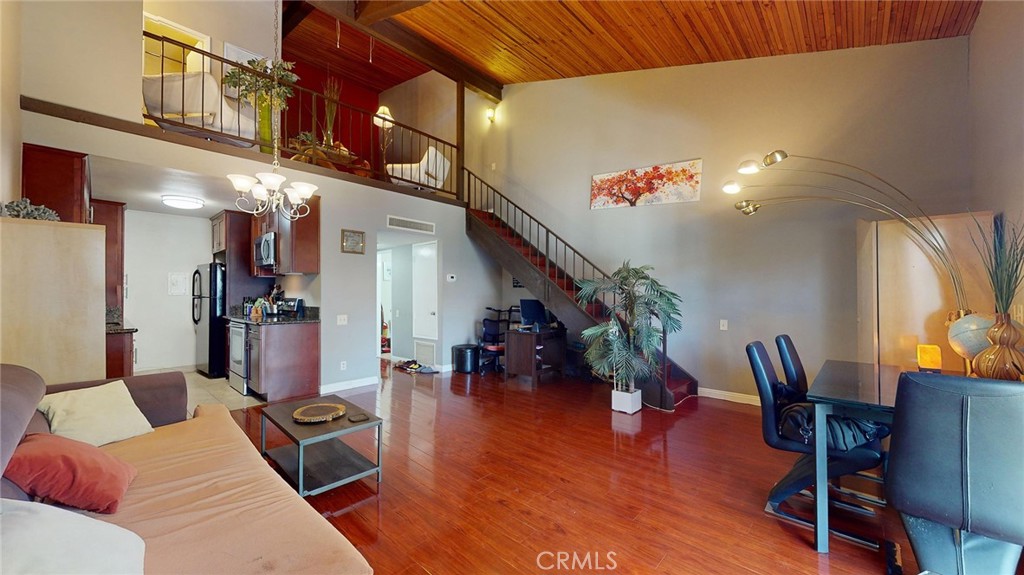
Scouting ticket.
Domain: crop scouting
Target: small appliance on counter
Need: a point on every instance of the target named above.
(291, 307)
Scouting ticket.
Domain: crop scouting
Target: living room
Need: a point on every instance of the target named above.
(939, 118)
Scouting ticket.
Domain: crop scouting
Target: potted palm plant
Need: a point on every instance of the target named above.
(268, 93)
(623, 350)
(1003, 256)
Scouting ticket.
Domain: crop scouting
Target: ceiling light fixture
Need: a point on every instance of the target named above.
(182, 202)
(267, 195)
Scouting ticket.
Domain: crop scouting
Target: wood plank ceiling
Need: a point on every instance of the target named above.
(529, 41)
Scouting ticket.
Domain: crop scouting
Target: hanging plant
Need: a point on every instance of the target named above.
(262, 90)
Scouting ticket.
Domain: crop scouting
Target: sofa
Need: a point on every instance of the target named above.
(203, 499)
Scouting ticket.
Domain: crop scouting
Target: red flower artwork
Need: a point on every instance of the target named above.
(665, 184)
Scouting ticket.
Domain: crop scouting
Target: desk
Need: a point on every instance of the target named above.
(850, 389)
(521, 351)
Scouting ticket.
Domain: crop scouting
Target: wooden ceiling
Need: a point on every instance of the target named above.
(508, 42)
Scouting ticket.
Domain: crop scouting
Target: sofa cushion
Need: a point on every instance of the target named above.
(96, 415)
(70, 472)
(22, 389)
(42, 539)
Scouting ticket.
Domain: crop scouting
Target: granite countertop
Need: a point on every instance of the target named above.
(272, 319)
(118, 328)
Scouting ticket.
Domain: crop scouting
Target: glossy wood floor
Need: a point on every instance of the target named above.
(487, 476)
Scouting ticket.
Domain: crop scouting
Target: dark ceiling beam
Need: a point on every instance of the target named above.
(295, 11)
(370, 11)
(414, 46)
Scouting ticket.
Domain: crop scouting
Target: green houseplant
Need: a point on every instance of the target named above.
(268, 93)
(1003, 256)
(624, 349)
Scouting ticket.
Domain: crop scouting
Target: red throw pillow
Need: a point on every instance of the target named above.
(69, 472)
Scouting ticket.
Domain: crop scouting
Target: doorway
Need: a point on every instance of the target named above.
(407, 295)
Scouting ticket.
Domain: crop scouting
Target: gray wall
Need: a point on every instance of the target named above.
(997, 108)
(401, 298)
(896, 110)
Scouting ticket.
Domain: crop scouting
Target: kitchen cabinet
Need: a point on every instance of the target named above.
(297, 243)
(57, 179)
(284, 360)
(237, 257)
(111, 215)
(120, 354)
(220, 241)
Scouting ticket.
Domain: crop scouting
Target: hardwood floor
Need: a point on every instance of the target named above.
(487, 476)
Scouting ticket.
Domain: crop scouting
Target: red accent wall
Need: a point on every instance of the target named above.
(353, 126)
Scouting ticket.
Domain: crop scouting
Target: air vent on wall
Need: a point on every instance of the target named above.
(424, 352)
(397, 223)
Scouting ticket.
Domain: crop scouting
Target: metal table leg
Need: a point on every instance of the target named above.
(821, 411)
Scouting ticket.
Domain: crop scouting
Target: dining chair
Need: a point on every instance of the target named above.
(801, 475)
(956, 472)
(792, 367)
(492, 345)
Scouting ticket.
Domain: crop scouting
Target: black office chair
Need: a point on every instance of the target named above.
(801, 475)
(792, 367)
(956, 472)
(492, 345)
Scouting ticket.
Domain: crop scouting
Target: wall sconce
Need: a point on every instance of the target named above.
(491, 114)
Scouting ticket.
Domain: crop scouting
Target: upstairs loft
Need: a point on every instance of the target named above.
(184, 91)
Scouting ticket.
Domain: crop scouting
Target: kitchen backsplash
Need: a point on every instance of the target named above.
(312, 312)
(114, 315)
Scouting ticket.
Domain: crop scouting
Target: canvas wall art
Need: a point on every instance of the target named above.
(664, 184)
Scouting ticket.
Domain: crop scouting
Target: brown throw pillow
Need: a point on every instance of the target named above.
(69, 472)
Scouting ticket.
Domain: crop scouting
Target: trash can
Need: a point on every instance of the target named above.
(465, 358)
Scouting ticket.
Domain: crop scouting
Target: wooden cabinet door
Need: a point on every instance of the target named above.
(120, 354)
(217, 227)
(57, 179)
(238, 262)
(305, 240)
(111, 215)
(290, 366)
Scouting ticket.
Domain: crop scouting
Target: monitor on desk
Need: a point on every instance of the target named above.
(532, 312)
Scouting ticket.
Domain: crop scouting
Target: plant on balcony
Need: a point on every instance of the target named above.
(332, 91)
(625, 348)
(262, 91)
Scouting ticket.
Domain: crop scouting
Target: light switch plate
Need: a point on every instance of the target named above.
(342, 319)
(723, 324)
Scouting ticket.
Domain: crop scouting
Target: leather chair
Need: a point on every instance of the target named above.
(956, 472)
(792, 367)
(801, 475)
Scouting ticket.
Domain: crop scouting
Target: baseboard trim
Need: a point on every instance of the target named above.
(729, 396)
(347, 385)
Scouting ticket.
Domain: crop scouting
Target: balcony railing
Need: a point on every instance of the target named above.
(357, 141)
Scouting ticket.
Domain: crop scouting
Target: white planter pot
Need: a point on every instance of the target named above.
(626, 402)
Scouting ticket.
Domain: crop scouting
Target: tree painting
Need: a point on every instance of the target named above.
(665, 184)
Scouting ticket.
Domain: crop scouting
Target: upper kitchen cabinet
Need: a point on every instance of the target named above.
(237, 257)
(297, 243)
(111, 215)
(57, 179)
(220, 238)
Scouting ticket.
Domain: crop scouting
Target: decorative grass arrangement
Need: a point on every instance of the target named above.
(625, 347)
(1003, 256)
(332, 91)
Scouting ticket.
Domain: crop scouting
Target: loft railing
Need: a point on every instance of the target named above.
(559, 261)
(357, 141)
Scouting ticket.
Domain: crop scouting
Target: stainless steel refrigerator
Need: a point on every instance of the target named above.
(208, 316)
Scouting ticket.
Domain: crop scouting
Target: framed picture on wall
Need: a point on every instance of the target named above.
(353, 242)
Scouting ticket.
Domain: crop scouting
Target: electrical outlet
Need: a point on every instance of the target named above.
(723, 324)
(343, 366)
(342, 319)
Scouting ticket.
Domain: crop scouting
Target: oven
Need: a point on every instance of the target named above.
(238, 358)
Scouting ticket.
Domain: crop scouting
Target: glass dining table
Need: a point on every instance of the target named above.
(851, 389)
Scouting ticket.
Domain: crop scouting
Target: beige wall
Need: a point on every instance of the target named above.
(87, 55)
(10, 92)
(896, 110)
(427, 103)
(997, 108)
(248, 25)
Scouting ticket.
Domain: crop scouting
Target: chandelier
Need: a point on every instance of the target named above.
(265, 189)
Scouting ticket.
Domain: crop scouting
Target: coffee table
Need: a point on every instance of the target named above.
(318, 459)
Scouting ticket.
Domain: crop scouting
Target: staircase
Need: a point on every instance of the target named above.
(548, 267)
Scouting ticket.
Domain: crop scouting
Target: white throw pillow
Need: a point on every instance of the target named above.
(95, 415)
(41, 539)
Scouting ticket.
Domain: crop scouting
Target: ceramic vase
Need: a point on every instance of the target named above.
(1001, 360)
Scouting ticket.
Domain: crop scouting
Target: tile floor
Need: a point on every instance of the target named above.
(204, 390)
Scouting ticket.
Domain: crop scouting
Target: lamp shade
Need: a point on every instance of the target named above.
(774, 158)
(383, 119)
(260, 193)
(304, 190)
(731, 187)
(241, 182)
(182, 202)
(271, 180)
(749, 167)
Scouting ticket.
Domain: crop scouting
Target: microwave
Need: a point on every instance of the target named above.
(264, 251)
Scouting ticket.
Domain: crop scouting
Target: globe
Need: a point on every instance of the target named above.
(967, 335)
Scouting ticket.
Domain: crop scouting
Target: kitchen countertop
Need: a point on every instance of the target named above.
(272, 319)
(118, 328)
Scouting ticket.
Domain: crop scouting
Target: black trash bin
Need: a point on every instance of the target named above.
(465, 358)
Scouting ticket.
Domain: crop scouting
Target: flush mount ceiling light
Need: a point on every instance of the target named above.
(182, 202)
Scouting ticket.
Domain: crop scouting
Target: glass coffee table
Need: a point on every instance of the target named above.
(318, 459)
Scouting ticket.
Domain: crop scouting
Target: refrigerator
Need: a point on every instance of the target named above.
(208, 316)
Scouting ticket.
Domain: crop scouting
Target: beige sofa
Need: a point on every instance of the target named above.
(204, 500)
